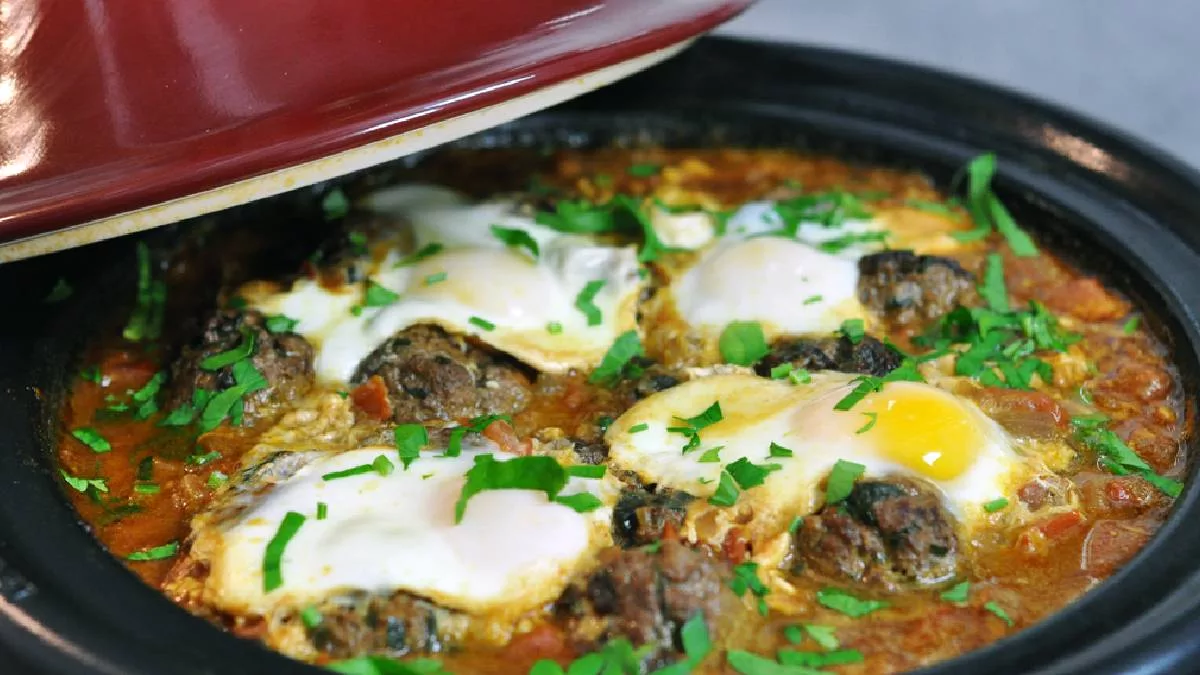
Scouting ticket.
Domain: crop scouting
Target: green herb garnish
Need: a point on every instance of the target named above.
(617, 361)
(273, 555)
(957, 593)
(155, 552)
(841, 480)
(92, 439)
(482, 323)
(585, 302)
(995, 505)
(516, 238)
(422, 253)
(841, 601)
(742, 343)
(410, 438)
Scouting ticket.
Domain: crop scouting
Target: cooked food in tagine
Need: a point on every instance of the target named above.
(625, 411)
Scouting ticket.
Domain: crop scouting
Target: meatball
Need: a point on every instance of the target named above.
(887, 534)
(912, 290)
(643, 596)
(284, 359)
(398, 625)
(432, 375)
(641, 514)
(868, 357)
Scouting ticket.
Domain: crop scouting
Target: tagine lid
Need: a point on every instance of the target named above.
(119, 117)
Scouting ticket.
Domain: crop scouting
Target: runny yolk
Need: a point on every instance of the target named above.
(925, 430)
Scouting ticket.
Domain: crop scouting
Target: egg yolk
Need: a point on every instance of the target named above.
(927, 431)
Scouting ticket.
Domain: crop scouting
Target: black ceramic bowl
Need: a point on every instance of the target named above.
(1113, 205)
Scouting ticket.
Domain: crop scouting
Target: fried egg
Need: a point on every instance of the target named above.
(906, 429)
(513, 551)
(788, 285)
(471, 283)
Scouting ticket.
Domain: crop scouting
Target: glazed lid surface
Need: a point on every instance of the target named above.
(108, 108)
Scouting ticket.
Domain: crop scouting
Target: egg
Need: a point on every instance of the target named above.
(513, 551)
(469, 282)
(906, 429)
(787, 285)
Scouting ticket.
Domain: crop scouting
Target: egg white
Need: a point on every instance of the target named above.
(801, 418)
(474, 277)
(513, 551)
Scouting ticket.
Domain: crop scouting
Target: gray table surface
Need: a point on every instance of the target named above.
(1134, 64)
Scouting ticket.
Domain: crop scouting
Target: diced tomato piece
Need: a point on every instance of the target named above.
(501, 433)
(372, 398)
(543, 642)
(1031, 414)
(1061, 524)
(736, 546)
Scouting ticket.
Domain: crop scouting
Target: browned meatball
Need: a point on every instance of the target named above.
(396, 625)
(887, 534)
(911, 290)
(644, 596)
(284, 359)
(432, 375)
(868, 357)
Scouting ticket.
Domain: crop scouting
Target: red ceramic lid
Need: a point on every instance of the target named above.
(119, 116)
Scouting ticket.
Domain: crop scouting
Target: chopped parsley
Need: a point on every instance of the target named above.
(621, 214)
(382, 466)
(749, 475)
(638, 428)
(587, 470)
(516, 238)
(777, 450)
(941, 209)
(273, 555)
(92, 374)
(426, 251)
(145, 323)
(999, 612)
(711, 456)
(616, 657)
(830, 209)
(1115, 455)
(742, 343)
(845, 241)
(806, 660)
(146, 488)
(227, 358)
(311, 616)
(692, 425)
(853, 330)
(841, 480)
(617, 360)
(1130, 327)
(993, 289)
(995, 505)
(957, 593)
(206, 458)
(988, 212)
(539, 473)
(61, 291)
(585, 302)
(799, 376)
(335, 205)
(410, 438)
(554, 328)
(813, 299)
(436, 278)
(866, 384)
(727, 491)
(92, 439)
(782, 370)
(382, 665)
(322, 510)
(482, 323)
(794, 526)
(841, 601)
(278, 323)
(216, 479)
(155, 552)
(378, 296)
(826, 636)
(476, 425)
(872, 418)
(83, 484)
(745, 578)
(644, 170)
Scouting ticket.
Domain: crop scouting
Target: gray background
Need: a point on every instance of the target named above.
(1134, 64)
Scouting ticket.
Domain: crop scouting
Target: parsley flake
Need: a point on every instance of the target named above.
(92, 439)
(162, 552)
(617, 360)
(841, 480)
(742, 343)
(516, 238)
(273, 554)
(845, 603)
(585, 302)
